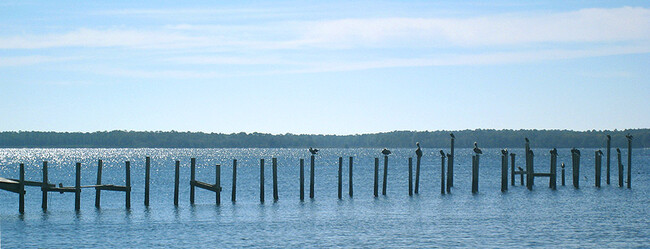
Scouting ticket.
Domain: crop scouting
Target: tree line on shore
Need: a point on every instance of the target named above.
(487, 138)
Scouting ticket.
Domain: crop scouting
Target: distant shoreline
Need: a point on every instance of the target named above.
(486, 138)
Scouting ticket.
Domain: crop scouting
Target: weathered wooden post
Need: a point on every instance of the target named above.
(340, 189)
(530, 171)
(417, 173)
(512, 169)
(629, 161)
(176, 181)
(127, 198)
(218, 183)
(609, 147)
(192, 178)
(350, 183)
(44, 187)
(576, 168)
(504, 170)
(450, 167)
(311, 178)
(449, 162)
(475, 161)
(383, 188)
(77, 187)
(376, 185)
(233, 197)
(553, 181)
(98, 192)
(262, 180)
(562, 174)
(302, 179)
(147, 178)
(410, 176)
(598, 155)
(620, 168)
(274, 162)
(442, 173)
(21, 189)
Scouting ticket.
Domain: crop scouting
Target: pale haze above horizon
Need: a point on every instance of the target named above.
(324, 67)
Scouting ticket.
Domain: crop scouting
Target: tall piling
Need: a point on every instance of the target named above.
(176, 181)
(376, 182)
(350, 183)
(192, 178)
(609, 148)
(530, 171)
(147, 178)
(475, 162)
(563, 182)
(597, 169)
(629, 161)
(127, 197)
(77, 187)
(311, 178)
(21, 189)
(44, 187)
(262, 180)
(233, 196)
(383, 188)
(442, 174)
(340, 178)
(450, 167)
(449, 162)
(274, 163)
(512, 169)
(576, 168)
(620, 168)
(504, 172)
(98, 192)
(417, 174)
(553, 181)
(410, 176)
(302, 179)
(217, 184)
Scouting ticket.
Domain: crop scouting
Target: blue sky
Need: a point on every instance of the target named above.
(330, 67)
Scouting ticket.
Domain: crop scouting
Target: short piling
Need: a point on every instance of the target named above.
(553, 181)
(609, 148)
(217, 183)
(233, 196)
(311, 178)
(127, 198)
(512, 169)
(274, 163)
(383, 188)
(563, 182)
(21, 190)
(504, 172)
(475, 162)
(410, 176)
(98, 192)
(449, 162)
(192, 178)
(417, 174)
(350, 183)
(597, 167)
(442, 174)
(629, 162)
(77, 187)
(576, 169)
(44, 187)
(262, 180)
(176, 181)
(340, 178)
(376, 183)
(450, 167)
(530, 171)
(302, 179)
(147, 178)
(620, 168)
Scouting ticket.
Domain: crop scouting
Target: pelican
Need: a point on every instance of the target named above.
(313, 151)
(442, 153)
(385, 151)
(452, 135)
(504, 152)
(628, 136)
(554, 151)
(476, 149)
(418, 152)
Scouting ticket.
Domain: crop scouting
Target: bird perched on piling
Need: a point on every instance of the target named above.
(385, 151)
(476, 149)
(504, 152)
(600, 152)
(452, 135)
(520, 169)
(418, 151)
(609, 137)
(313, 151)
(618, 150)
(527, 141)
(554, 151)
(628, 136)
(442, 153)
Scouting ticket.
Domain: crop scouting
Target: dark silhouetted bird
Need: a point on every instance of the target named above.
(442, 153)
(520, 169)
(504, 152)
(313, 151)
(452, 135)
(418, 151)
(618, 150)
(600, 152)
(476, 149)
(554, 151)
(527, 141)
(385, 151)
(628, 136)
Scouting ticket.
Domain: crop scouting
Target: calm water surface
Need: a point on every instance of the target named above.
(585, 217)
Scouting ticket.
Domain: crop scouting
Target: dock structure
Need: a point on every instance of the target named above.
(198, 184)
(109, 187)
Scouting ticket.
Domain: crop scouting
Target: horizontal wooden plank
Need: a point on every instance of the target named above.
(205, 186)
(112, 188)
(61, 189)
(32, 183)
(543, 174)
(10, 187)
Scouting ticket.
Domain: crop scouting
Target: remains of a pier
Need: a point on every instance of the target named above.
(210, 187)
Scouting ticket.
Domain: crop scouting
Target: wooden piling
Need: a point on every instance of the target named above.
(597, 169)
(609, 148)
(475, 162)
(376, 183)
(44, 187)
(77, 187)
(620, 168)
(563, 183)
(217, 183)
(21, 189)
(576, 169)
(442, 174)
(530, 171)
(504, 172)
(274, 163)
(302, 179)
(512, 169)
(233, 197)
(410, 176)
(417, 174)
(553, 181)
(192, 178)
(340, 192)
(629, 162)
(449, 162)
(350, 183)
(147, 178)
(383, 188)
(98, 192)
(176, 181)
(127, 198)
(311, 178)
(262, 180)
(450, 167)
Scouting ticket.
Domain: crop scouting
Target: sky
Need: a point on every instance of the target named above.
(323, 67)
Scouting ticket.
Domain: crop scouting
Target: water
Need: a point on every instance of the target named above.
(585, 217)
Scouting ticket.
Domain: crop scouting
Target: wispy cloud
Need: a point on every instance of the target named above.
(12, 61)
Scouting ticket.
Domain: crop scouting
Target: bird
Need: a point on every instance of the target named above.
(600, 152)
(452, 135)
(418, 151)
(504, 152)
(609, 137)
(476, 149)
(554, 151)
(313, 151)
(385, 151)
(520, 169)
(562, 165)
(628, 136)
(618, 150)
(442, 153)
(527, 141)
